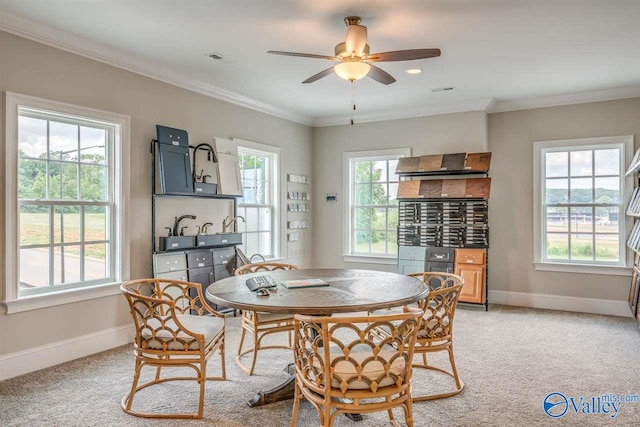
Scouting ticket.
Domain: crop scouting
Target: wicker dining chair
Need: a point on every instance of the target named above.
(174, 328)
(342, 368)
(260, 324)
(436, 329)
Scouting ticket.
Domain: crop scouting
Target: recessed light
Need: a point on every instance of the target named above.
(413, 70)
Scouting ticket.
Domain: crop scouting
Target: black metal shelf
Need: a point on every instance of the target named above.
(441, 173)
(197, 195)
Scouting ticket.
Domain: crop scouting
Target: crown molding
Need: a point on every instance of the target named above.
(51, 36)
(406, 113)
(565, 99)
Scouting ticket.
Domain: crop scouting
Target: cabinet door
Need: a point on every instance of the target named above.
(473, 288)
(175, 169)
(409, 267)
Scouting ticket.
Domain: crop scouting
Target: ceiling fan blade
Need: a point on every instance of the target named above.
(379, 75)
(403, 55)
(356, 40)
(318, 76)
(303, 55)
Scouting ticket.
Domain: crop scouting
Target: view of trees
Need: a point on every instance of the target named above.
(371, 223)
(584, 196)
(62, 178)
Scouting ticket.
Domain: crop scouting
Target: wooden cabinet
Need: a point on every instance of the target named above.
(473, 287)
(470, 265)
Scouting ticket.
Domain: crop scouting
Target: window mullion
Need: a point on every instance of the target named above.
(82, 228)
(593, 231)
(569, 235)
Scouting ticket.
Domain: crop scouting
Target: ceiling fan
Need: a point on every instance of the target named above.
(355, 59)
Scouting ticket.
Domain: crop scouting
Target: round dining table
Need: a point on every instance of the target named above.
(348, 290)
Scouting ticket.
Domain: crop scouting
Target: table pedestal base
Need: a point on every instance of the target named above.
(284, 391)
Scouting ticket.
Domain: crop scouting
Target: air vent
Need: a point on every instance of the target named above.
(218, 57)
(441, 89)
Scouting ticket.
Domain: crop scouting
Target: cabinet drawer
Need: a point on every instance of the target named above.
(163, 263)
(198, 259)
(412, 253)
(440, 254)
(223, 256)
(470, 256)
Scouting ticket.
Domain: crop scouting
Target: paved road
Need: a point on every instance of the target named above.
(34, 267)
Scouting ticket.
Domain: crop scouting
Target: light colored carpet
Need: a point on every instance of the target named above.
(510, 359)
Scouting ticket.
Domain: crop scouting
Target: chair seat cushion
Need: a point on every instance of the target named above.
(273, 317)
(383, 370)
(175, 338)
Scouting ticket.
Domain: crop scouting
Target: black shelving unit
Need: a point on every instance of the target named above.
(201, 264)
(456, 223)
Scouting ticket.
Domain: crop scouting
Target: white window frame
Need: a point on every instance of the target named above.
(12, 301)
(275, 178)
(349, 158)
(539, 149)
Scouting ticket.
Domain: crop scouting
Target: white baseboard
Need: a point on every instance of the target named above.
(33, 359)
(560, 302)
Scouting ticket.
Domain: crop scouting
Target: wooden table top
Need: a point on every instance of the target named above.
(348, 290)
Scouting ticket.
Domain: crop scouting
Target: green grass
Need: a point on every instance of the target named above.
(34, 230)
(582, 249)
(377, 247)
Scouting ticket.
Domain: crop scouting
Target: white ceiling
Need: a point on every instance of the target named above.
(492, 50)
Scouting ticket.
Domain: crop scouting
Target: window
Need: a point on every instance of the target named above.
(65, 200)
(258, 205)
(580, 215)
(372, 208)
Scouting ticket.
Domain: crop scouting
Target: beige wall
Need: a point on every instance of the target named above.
(34, 69)
(447, 133)
(511, 137)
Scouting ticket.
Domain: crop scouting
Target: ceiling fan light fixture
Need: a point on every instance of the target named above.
(413, 70)
(352, 70)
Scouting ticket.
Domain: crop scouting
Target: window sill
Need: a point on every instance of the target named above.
(582, 268)
(66, 296)
(371, 259)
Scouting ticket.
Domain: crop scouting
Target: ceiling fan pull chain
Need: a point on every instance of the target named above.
(353, 99)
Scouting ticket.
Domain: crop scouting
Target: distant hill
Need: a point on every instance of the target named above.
(581, 195)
